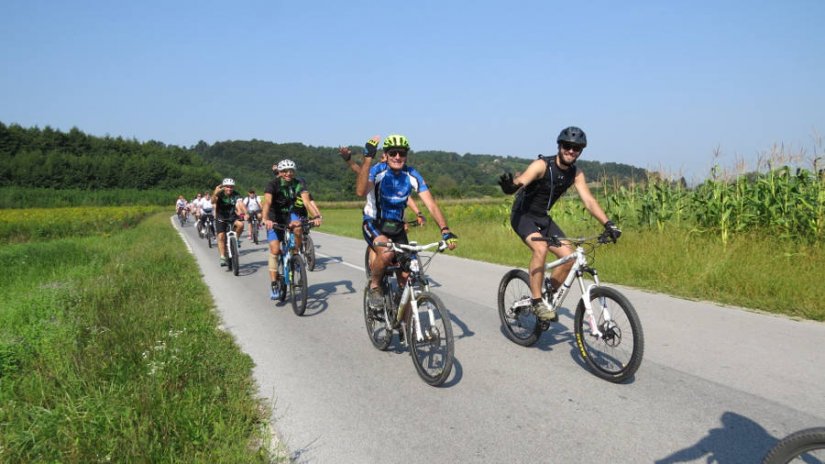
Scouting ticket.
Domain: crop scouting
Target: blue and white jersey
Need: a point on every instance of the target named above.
(392, 189)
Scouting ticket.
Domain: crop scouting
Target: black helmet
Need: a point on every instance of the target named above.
(572, 134)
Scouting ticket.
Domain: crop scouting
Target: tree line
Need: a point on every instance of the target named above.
(49, 158)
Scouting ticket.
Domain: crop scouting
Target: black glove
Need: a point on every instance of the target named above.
(371, 148)
(506, 183)
(611, 231)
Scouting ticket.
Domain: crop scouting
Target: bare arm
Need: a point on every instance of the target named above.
(590, 202)
(533, 172)
(346, 154)
(265, 210)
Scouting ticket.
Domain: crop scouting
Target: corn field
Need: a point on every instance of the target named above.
(23, 225)
(785, 202)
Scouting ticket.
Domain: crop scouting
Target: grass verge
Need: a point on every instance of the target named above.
(110, 352)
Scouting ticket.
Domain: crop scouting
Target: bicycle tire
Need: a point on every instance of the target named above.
(367, 270)
(233, 243)
(209, 237)
(298, 285)
(309, 252)
(254, 226)
(615, 356)
(798, 446)
(378, 330)
(521, 326)
(433, 356)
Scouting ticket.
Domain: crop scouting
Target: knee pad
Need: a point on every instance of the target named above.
(273, 262)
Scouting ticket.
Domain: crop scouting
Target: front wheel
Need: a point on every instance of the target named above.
(432, 348)
(233, 244)
(616, 353)
(803, 446)
(210, 236)
(309, 252)
(254, 226)
(514, 308)
(298, 285)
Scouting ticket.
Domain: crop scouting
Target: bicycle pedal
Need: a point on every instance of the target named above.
(544, 325)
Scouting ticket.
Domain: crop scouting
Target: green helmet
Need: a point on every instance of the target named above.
(396, 141)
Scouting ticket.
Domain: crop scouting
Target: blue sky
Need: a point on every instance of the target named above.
(655, 84)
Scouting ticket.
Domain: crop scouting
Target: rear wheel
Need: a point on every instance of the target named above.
(367, 270)
(298, 285)
(378, 329)
(514, 308)
(309, 252)
(233, 244)
(616, 354)
(433, 353)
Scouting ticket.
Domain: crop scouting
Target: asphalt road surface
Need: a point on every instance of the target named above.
(717, 384)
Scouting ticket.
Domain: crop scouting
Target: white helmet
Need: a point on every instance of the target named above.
(286, 164)
(228, 181)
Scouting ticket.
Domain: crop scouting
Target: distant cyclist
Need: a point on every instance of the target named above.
(387, 187)
(537, 190)
(180, 206)
(228, 207)
(253, 206)
(279, 209)
(205, 209)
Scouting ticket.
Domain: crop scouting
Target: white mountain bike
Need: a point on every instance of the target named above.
(608, 331)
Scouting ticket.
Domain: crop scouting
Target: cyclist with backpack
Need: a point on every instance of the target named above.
(537, 189)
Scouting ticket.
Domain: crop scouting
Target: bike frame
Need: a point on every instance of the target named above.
(580, 267)
(410, 292)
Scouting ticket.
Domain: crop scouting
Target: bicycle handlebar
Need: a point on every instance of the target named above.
(556, 241)
(403, 247)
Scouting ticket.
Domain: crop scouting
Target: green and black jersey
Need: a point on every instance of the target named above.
(284, 195)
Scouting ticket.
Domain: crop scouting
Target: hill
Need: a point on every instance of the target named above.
(48, 158)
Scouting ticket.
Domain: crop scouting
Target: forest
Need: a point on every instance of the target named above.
(49, 158)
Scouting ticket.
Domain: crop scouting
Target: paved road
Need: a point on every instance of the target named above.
(717, 384)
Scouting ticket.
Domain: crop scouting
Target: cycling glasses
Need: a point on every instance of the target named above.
(571, 147)
(401, 153)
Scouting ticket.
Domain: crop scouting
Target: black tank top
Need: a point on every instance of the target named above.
(538, 197)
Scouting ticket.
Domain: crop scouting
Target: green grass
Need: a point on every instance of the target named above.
(110, 351)
(764, 273)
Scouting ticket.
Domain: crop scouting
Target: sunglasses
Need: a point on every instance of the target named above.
(571, 147)
(401, 153)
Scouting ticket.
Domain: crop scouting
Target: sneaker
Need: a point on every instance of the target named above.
(376, 297)
(224, 261)
(274, 291)
(543, 312)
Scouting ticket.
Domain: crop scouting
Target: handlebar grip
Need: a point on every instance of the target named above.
(381, 244)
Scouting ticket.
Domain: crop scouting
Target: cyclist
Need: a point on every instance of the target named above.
(253, 206)
(387, 187)
(205, 209)
(346, 154)
(180, 206)
(228, 207)
(194, 206)
(539, 187)
(279, 208)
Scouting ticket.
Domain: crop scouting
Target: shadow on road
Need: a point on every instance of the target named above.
(318, 295)
(738, 440)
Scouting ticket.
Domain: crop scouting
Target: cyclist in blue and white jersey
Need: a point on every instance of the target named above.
(387, 187)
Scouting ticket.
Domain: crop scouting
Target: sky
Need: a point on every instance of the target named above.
(672, 86)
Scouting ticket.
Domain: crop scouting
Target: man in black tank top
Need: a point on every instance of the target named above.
(537, 189)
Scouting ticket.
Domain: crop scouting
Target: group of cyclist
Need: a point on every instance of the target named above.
(387, 187)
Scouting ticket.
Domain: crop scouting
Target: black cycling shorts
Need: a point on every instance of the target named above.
(525, 224)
